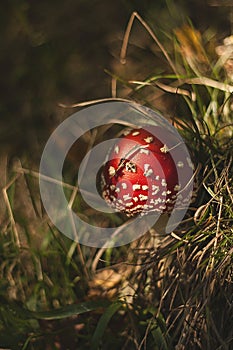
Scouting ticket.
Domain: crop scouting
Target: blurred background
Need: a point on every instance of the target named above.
(61, 52)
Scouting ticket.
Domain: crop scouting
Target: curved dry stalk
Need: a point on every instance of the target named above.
(88, 103)
(36, 174)
(152, 34)
(166, 88)
(102, 250)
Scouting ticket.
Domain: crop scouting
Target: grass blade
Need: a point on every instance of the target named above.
(69, 310)
(102, 324)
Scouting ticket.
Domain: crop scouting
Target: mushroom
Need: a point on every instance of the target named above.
(140, 175)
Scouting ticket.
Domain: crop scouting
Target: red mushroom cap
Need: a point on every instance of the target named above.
(141, 178)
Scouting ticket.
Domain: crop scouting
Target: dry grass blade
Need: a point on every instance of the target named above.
(9, 208)
(166, 88)
(152, 34)
(3, 180)
(209, 82)
(88, 103)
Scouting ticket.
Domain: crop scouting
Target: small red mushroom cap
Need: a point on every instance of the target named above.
(141, 178)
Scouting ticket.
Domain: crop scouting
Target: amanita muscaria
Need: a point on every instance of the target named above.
(142, 177)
